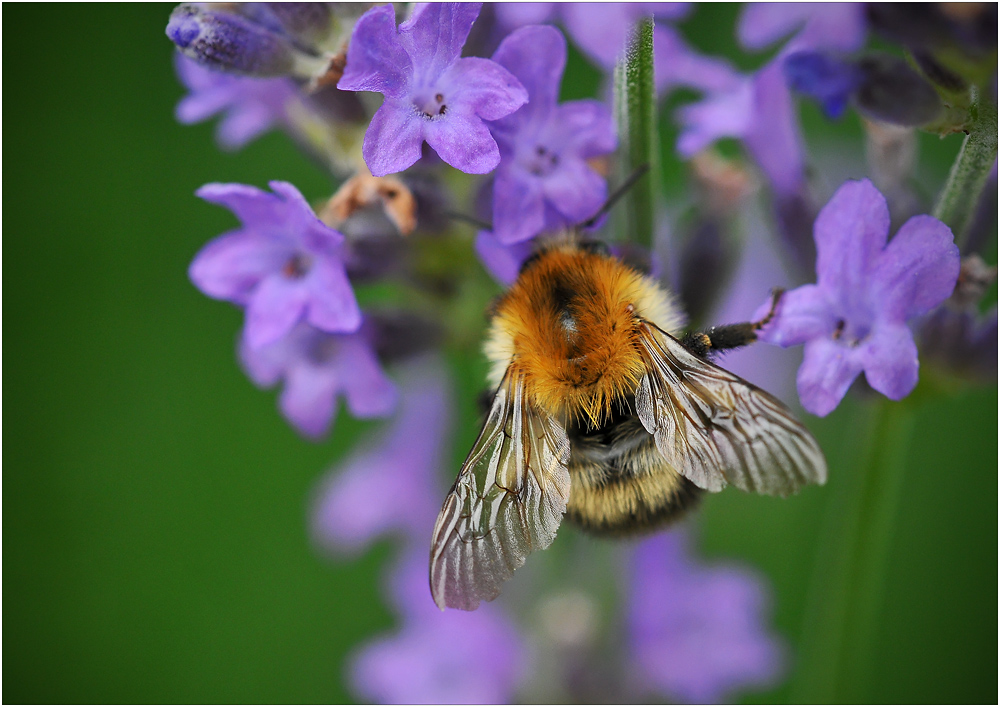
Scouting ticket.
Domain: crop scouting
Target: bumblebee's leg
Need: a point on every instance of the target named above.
(728, 336)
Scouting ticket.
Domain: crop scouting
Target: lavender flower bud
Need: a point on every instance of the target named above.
(968, 28)
(229, 42)
(893, 92)
(794, 216)
(962, 342)
(706, 263)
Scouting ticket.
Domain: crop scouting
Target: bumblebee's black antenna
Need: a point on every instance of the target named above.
(472, 220)
(608, 203)
(617, 194)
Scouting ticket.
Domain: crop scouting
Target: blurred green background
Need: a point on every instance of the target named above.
(155, 504)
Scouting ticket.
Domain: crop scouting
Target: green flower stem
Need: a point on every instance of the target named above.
(846, 590)
(635, 116)
(957, 203)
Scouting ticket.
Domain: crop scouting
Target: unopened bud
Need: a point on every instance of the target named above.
(229, 42)
(892, 92)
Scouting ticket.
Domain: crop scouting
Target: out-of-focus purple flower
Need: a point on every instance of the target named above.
(544, 181)
(599, 29)
(824, 78)
(284, 264)
(391, 483)
(854, 318)
(503, 262)
(757, 109)
(453, 657)
(675, 65)
(317, 368)
(826, 25)
(430, 93)
(697, 633)
(251, 106)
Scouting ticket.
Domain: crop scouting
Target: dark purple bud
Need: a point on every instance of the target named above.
(969, 28)
(794, 216)
(229, 42)
(961, 341)
(398, 334)
(706, 263)
(892, 92)
(984, 223)
(824, 78)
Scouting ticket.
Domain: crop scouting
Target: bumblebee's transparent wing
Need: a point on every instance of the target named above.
(507, 501)
(715, 428)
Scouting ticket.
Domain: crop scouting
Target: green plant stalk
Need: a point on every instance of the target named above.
(957, 204)
(635, 118)
(847, 587)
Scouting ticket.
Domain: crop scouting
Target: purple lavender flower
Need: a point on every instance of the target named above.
(251, 106)
(430, 93)
(696, 633)
(816, 25)
(453, 657)
(599, 29)
(544, 181)
(284, 264)
(758, 109)
(316, 368)
(391, 483)
(854, 318)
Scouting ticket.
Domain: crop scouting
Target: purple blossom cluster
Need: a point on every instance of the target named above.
(691, 632)
(303, 323)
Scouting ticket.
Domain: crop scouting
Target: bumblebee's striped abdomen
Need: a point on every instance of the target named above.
(620, 484)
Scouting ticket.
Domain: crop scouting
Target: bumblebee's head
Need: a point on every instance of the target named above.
(569, 324)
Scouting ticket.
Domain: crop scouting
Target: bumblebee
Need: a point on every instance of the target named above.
(605, 413)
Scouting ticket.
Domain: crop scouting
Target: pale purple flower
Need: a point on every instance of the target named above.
(544, 181)
(758, 109)
(283, 264)
(600, 29)
(697, 634)
(430, 92)
(251, 106)
(451, 657)
(814, 25)
(391, 483)
(854, 318)
(317, 368)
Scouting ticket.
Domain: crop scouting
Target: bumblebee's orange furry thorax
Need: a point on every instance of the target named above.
(568, 324)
